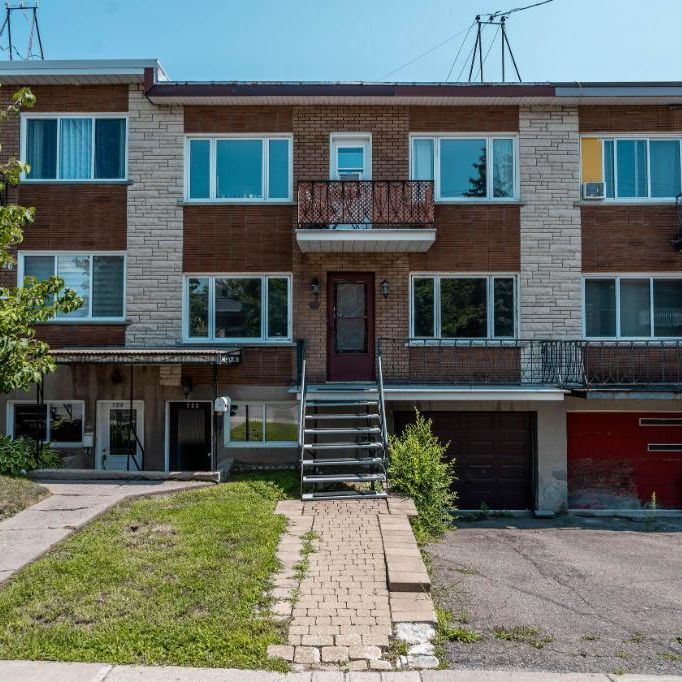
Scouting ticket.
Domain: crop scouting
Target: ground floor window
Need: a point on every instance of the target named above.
(57, 422)
(259, 424)
(463, 307)
(238, 308)
(633, 307)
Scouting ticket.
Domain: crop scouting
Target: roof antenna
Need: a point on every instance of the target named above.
(498, 19)
(30, 14)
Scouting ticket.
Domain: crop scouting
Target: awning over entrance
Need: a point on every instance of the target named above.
(148, 356)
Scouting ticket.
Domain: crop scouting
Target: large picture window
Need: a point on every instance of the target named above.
(239, 169)
(633, 307)
(99, 279)
(238, 308)
(75, 147)
(57, 422)
(261, 424)
(463, 307)
(466, 168)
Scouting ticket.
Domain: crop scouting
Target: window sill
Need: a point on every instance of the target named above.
(283, 444)
(478, 202)
(85, 321)
(205, 343)
(602, 203)
(76, 182)
(236, 202)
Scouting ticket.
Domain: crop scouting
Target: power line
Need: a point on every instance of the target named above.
(461, 46)
(490, 47)
(428, 52)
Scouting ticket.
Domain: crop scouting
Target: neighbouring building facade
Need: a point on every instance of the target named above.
(509, 252)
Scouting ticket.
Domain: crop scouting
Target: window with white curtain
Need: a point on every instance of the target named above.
(99, 279)
(75, 147)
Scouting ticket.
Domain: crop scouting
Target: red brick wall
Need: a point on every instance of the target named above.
(629, 238)
(464, 119)
(238, 238)
(238, 119)
(84, 335)
(629, 119)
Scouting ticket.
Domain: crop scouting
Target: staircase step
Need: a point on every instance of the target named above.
(342, 461)
(342, 446)
(343, 478)
(344, 495)
(326, 417)
(340, 403)
(359, 430)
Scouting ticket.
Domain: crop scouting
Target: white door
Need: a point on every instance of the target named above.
(120, 435)
(351, 200)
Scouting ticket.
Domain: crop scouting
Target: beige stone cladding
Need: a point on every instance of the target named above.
(155, 169)
(550, 286)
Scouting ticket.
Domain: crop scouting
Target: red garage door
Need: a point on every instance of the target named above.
(618, 460)
(493, 454)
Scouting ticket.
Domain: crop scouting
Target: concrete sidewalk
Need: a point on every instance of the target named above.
(43, 671)
(32, 532)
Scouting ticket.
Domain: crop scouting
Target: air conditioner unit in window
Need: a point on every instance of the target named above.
(594, 190)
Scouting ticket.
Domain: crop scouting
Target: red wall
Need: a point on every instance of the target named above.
(609, 466)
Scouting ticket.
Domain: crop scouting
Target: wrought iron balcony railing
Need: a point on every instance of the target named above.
(365, 203)
(570, 364)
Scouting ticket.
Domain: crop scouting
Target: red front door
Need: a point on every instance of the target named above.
(350, 338)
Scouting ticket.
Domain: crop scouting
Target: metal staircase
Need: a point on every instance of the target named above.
(342, 440)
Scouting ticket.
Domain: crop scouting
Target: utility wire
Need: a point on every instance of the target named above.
(466, 63)
(424, 54)
(454, 61)
(516, 9)
(490, 47)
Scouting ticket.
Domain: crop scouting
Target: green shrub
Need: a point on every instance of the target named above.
(19, 456)
(417, 468)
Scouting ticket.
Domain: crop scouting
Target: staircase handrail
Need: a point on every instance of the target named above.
(302, 387)
(382, 408)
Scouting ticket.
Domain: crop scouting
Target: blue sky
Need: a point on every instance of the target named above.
(366, 39)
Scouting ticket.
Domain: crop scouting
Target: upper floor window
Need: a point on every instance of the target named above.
(239, 168)
(466, 168)
(99, 279)
(74, 147)
(463, 307)
(633, 168)
(351, 157)
(242, 308)
(633, 307)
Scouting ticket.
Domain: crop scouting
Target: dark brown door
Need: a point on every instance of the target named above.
(350, 302)
(190, 436)
(493, 454)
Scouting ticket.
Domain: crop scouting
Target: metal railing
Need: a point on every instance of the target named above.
(301, 361)
(570, 364)
(382, 415)
(326, 204)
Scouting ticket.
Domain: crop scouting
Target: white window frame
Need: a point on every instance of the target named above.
(265, 169)
(647, 137)
(350, 139)
(211, 338)
(90, 254)
(618, 277)
(46, 403)
(227, 426)
(437, 138)
(490, 313)
(60, 115)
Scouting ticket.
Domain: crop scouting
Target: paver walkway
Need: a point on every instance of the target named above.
(33, 531)
(39, 671)
(356, 586)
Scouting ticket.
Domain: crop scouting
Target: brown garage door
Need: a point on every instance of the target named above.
(493, 453)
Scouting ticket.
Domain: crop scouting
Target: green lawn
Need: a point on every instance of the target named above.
(17, 494)
(176, 580)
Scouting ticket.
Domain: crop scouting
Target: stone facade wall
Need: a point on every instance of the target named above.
(155, 169)
(550, 281)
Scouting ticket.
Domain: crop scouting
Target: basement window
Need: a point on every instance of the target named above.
(58, 422)
(256, 424)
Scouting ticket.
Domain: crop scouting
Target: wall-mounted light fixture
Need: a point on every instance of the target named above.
(385, 288)
(186, 384)
(116, 376)
(315, 291)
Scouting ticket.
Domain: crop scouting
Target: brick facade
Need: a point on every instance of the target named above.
(630, 119)
(550, 281)
(156, 172)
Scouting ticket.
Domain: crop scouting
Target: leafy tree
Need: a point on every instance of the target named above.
(24, 360)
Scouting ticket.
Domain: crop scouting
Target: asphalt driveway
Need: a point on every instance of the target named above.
(581, 595)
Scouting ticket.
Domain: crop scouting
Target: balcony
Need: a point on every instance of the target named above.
(352, 216)
(573, 365)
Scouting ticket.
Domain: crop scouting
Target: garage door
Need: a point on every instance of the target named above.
(617, 460)
(493, 453)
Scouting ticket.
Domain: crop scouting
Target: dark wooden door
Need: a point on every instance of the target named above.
(493, 454)
(350, 338)
(190, 436)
